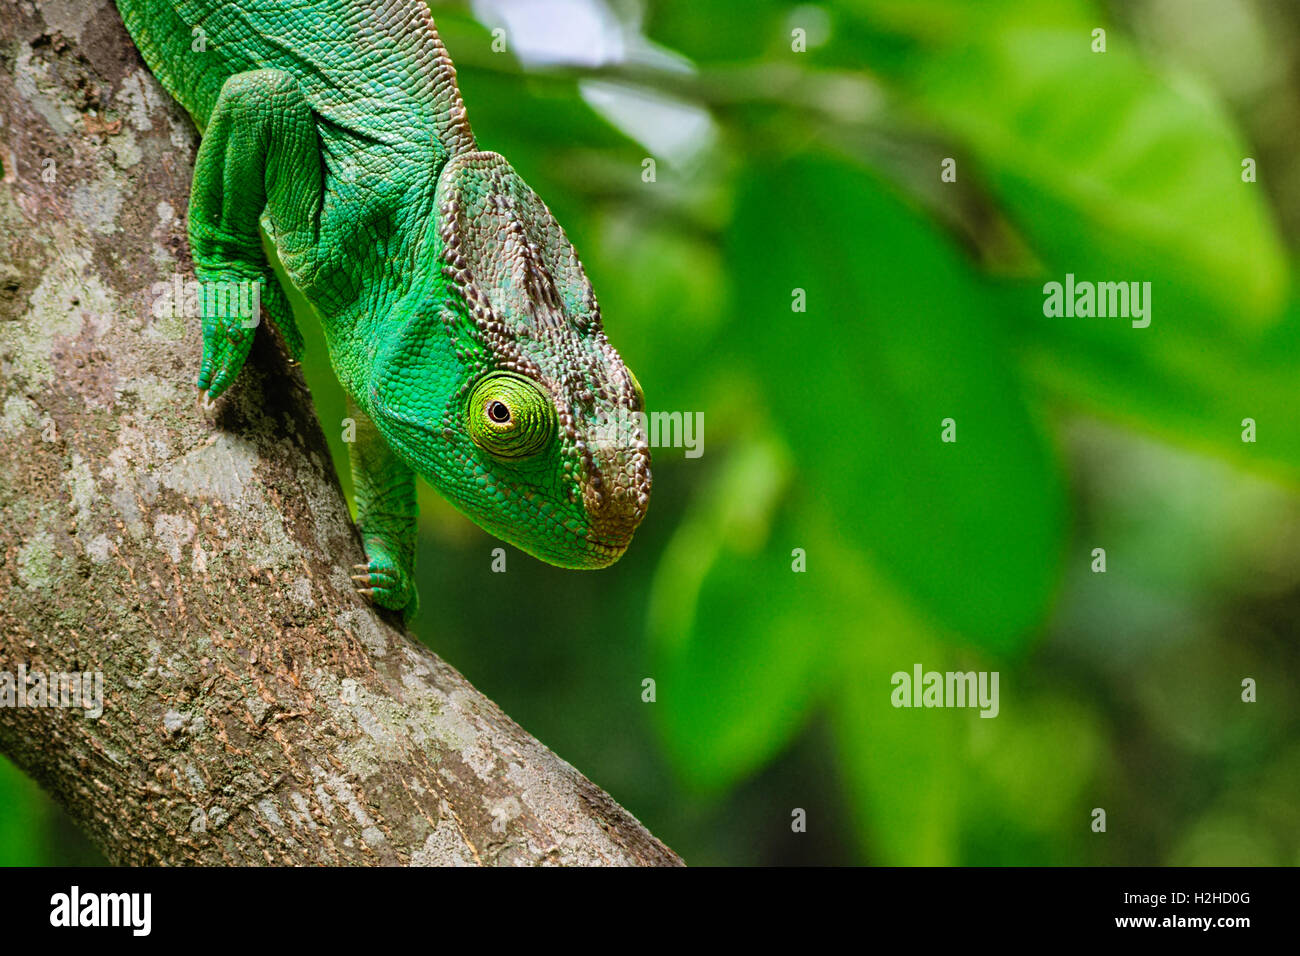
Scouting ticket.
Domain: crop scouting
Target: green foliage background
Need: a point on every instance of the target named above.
(924, 301)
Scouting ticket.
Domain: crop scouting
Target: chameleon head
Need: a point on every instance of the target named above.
(508, 397)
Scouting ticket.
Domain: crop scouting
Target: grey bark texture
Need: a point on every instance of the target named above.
(256, 710)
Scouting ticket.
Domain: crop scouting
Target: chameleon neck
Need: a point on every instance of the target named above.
(357, 305)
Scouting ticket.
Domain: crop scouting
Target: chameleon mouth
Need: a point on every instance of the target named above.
(610, 533)
(586, 553)
(605, 552)
(615, 496)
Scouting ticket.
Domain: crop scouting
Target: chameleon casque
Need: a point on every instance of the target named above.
(457, 315)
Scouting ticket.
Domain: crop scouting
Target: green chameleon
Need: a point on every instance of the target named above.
(457, 315)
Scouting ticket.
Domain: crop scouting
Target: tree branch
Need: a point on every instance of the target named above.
(255, 709)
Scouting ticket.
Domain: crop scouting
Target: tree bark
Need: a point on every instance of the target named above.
(256, 710)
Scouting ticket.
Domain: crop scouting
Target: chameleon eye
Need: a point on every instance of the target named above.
(510, 416)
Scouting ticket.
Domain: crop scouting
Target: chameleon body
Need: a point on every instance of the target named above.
(457, 315)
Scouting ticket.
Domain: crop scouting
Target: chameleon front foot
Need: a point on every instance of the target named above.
(226, 345)
(386, 585)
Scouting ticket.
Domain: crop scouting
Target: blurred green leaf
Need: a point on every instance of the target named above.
(1026, 794)
(683, 304)
(1115, 171)
(1175, 378)
(959, 21)
(902, 767)
(735, 676)
(944, 786)
(897, 337)
(1227, 840)
(719, 30)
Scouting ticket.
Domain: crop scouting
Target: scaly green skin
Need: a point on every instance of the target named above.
(457, 315)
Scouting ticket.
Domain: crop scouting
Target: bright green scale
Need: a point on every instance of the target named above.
(457, 315)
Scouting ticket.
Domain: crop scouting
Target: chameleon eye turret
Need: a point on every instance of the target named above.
(510, 417)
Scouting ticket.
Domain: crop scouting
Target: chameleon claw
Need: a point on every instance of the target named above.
(383, 585)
